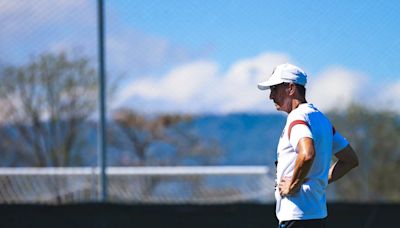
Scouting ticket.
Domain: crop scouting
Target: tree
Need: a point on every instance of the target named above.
(160, 140)
(166, 133)
(375, 136)
(45, 104)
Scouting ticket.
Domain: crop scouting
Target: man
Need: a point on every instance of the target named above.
(304, 152)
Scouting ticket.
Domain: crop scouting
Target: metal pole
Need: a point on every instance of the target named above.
(102, 186)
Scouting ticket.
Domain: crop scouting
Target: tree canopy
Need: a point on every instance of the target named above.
(375, 136)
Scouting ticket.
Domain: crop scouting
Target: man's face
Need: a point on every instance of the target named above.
(280, 95)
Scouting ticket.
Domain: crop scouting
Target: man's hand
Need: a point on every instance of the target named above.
(285, 189)
(305, 158)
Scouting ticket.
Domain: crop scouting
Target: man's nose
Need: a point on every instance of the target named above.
(271, 95)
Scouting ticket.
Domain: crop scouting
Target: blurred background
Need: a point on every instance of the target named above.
(185, 122)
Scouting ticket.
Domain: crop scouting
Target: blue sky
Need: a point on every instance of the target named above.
(363, 35)
(207, 56)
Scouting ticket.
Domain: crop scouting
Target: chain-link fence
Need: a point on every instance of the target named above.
(161, 185)
(178, 73)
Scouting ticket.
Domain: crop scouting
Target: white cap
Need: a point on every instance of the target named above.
(285, 73)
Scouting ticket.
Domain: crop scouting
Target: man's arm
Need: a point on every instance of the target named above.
(347, 160)
(304, 161)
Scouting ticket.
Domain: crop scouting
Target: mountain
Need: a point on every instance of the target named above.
(246, 139)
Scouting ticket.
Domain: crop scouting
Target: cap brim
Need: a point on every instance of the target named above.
(267, 84)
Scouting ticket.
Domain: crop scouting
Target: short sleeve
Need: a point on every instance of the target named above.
(339, 142)
(299, 131)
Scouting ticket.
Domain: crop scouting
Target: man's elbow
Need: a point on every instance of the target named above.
(355, 162)
(354, 158)
(309, 157)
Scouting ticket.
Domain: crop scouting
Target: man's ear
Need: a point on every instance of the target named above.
(292, 89)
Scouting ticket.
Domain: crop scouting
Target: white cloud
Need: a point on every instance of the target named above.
(200, 87)
(336, 88)
(182, 88)
(388, 97)
(22, 19)
(32, 27)
(239, 91)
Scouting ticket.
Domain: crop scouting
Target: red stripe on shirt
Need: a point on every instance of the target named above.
(295, 123)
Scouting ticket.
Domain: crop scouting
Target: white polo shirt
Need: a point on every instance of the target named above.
(310, 201)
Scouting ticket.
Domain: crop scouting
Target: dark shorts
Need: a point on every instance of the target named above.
(312, 223)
